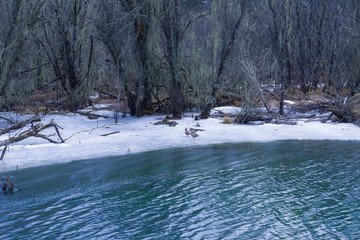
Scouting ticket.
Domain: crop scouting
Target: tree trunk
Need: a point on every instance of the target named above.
(226, 52)
(171, 27)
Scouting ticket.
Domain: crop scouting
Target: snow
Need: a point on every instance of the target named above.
(289, 102)
(225, 110)
(84, 140)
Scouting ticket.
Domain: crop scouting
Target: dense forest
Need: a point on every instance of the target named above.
(170, 55)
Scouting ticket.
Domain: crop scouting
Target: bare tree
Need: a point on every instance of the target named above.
(140, 16)
(18, 17)
(67, 42)
(227, 47)
(168, 15)
(281, 43)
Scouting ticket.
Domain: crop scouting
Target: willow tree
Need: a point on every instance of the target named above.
(309, 43)
(17, 19)
(110, 28)
(124, 28)
(353, 63)
(341, 48)
(281, 31)
(66, 41)
(229, 35)
(168, 15)
(140, 16)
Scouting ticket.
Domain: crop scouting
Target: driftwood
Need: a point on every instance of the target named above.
(328, 118)
(258, 118)
(306, 116)
(346, 109)
(20, 124)
(285, 121)
(91, 115)
(244, 118)
(166, 121)
(34, 131)
(304, 108)
(160, 103)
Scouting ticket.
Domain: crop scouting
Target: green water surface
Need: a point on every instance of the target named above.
(276, 190)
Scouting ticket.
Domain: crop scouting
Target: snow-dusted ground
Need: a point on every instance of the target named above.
(84, 138)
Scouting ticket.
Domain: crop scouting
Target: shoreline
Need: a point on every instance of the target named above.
(85, 138)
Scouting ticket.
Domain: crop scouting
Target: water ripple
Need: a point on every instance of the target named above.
(248, 191)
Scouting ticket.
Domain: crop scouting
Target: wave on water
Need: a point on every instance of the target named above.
(285, 189)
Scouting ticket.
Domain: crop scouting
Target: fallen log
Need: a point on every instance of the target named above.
(166, 121)
(91, 115)
(34, 131)
(347, 110)
(246, 117)
(328, 118)
(285, 121)
(20, 124)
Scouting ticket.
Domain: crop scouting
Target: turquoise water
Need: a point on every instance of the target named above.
(276, 190)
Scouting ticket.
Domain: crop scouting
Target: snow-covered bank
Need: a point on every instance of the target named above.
(84, 138)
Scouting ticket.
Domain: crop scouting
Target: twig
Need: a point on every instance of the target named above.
(90, 131)
(107, 134)
(75, 134)
(10, 120)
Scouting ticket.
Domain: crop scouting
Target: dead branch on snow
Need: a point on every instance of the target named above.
(20, 124)
(35, 131)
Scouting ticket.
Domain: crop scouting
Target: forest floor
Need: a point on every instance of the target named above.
(98, 137)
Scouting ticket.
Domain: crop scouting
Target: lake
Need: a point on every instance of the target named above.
(274, 190)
